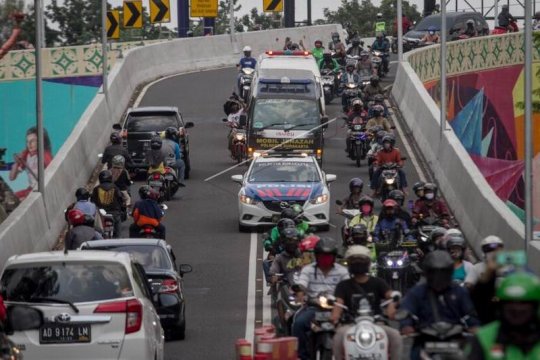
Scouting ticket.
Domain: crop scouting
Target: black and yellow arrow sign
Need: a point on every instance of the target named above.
(133, 14)
(160, 11)
(113, 24)
(273, 5)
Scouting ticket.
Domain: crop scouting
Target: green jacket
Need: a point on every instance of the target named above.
(490, 350)
(318, 54)
(269, 242)
(334, 63)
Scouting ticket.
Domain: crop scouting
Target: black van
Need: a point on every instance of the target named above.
(456, 22)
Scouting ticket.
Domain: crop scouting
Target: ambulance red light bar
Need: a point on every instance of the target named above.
(288, 52)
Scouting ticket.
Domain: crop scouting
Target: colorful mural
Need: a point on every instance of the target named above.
(485, 112)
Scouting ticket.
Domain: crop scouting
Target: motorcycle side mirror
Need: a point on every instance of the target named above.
(224, 120)
(188, 125)
(163, 206)
(339, 202)
(237, 178)
(117, 127)
(396, 296)
(242, 121)
(185, 269)
(23, 318)
(100, 156)
(402, 314)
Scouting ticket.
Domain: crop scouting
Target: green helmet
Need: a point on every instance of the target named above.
(519, 287)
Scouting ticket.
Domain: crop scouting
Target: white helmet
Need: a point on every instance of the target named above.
(246, 48)
(379, 15)
(491, 243)
(357, 250)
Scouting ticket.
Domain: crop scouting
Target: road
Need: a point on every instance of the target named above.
(202, 220)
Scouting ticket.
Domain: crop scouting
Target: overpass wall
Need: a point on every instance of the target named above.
(478, 161)
(37, 222)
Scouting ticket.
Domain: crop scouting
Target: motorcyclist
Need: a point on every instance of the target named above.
(328, 62)
(434, 241)
(516, 334)
(80, 231)
(373, 88)
(246, 62)
(436, 299)
(366, 216)
(382, 45)
(108, 197)
(418, 189)
(378, 99)
(172, 140)
(121, 178)
(319, 277)
(378, 119)
(431, 36)
(318, 51)
(374, 289)
(470, 30)
(356, 47)
(505, 18)
(356, 185)
(356, 113)
(288, 261)
(388, 155)
(295, 215)
(399, 197)
(364, 65)
(430, 206)
(146, 212)
(301, 225)
(83, 203)
(338, 47)
(482, 278)
(116, 148)
(380, 25)
(390, 223)
(405, 23)
(456, 247)
(360, 236)
(348, 77)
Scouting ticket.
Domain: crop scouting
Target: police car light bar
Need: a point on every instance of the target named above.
(288, 52)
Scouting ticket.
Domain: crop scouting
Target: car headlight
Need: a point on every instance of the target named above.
(389, 262)
(366, 337)
(247, 200)
(320, 199)
(240, 136)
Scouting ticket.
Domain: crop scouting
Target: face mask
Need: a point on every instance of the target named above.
(325, 261)
(291, 248)
(360, 240)
(366, 209)
(429, 196)
(359, 267)
(431, 33)
(376, 113)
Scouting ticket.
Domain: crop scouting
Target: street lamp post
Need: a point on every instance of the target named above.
(400, 30)
(442, 61)
(39, 95)
(104, 53)
(528, 75)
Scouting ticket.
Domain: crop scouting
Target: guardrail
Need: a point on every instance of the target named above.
(37, 222)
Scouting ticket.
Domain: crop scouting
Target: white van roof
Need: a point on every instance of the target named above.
(289, 62)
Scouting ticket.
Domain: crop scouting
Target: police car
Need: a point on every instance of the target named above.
(275, 182)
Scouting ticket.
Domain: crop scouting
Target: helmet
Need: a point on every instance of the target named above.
(355, 41)
(491, 243)
(290, 234)
(156, 143)
(171, 133)
(537, 15)
(374, 78)
(82, 193)
(335, 35)
(105, 176)
(118, 161)
(377, 110)
(389, 203)
(519, 286)
(436, 233)
(350, 65)
(366, 200)
(327, 56)
(431, 187)
(115, 137)
(299, 213)
(388, 138)
(456, 241)
(357, 250)
(246, 48)
(359, 231)
(419, 186)
(285, 224)
(309, 243)
(318, 42)
(294, 46)
(288, 213)
(356, 182)
(326, 245)
(75, 217)
(144, 191)
(397, 195)
(89, 220)
(357, 102)
(378, 98)
(438, 267)
(379, 15)
(379, 35)
(470, 22)
(504, 7)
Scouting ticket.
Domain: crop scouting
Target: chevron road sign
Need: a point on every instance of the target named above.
(273, 5)
(133, 14)
(160, 11)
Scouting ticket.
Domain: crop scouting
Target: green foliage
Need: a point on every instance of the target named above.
(222, 20)
(536, 92)
(79, 21)
(262, 21)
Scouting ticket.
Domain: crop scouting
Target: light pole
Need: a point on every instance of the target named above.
(400, 30)
(39, 94)
(104, 53)
(442, 61)
(528, 75)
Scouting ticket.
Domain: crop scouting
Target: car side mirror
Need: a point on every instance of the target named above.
(23, 318)
(185, 269)
(117, 127)
(242, 121)
(324, 120)
(238, 178)
(331, 178)
(188, 125)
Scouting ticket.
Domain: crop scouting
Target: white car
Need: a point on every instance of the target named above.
(95, 304)
(274, 183)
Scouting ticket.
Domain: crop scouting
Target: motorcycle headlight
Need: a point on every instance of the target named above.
(366, 337)
(240, 136)
(389, 262)
(390, 181)
(423, 238)
(320, 199)
(399, 262)
(351, 86)
(247, 200)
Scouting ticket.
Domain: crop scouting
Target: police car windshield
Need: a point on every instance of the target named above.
(285, 113)
(284, 171)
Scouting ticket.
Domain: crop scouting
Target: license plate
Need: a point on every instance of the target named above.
(441, 347)
(155, 183)
(395, 275)
(358, 142)
(275, 218)
(65, 333)
(169, 177)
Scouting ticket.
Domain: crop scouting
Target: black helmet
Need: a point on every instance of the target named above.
(288, 213)
(171, 133)
(374, 79)
(366, 200)
(144, 192)
(378, 98)
(388, 138)
(398, 196)
(431, 187)
(418, 186)
(116, 138)
(326, 245)
(355, 41)
(438, 268)
(335, 35)
(294, 46)
(359, 234)
(105, 176)
(89, 220)
(327, 56)
(82, 193)
(455, 240)
(156, 143)
(290, 234)
(356, 182)
(285, 223)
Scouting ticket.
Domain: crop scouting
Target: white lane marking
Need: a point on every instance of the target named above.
(251, 293)
(272, 149)
(408, 147)
(266, 300)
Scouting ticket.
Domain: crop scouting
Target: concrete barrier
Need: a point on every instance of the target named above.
(31, 228)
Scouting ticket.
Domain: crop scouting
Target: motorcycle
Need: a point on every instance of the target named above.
(350, 92)
(349, 214)
(328, 80)
(389, 180)
(285, 303)
(358, 140)
(322, 328)
(107, 222)
(245, 82)
(149, 231)
(165, 183)
(377, 61)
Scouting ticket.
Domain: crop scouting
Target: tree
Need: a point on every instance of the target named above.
(79, 21)
(222, 20)
(262, 21)
(29, 29)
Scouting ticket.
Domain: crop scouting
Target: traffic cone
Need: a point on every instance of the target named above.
(243, 350)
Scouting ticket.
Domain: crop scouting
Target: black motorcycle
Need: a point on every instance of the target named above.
(358, 143)
(389, 180)
(322, 328)
(328, 80)
(350, 92)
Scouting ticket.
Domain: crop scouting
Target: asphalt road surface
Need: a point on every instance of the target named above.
(224, 298)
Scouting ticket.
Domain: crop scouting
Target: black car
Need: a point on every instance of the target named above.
(165, 278)
(456, 22)
(142, 123)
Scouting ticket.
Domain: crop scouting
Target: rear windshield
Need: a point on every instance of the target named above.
(151, 122)
(434, 21)
(73, 282)
(150, 257)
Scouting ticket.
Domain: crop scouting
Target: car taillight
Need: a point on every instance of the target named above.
(168, 286)
(157, 176)
(132, 308)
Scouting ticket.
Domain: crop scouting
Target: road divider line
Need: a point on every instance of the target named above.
(271, 149)
(266, 300)
(251, 293)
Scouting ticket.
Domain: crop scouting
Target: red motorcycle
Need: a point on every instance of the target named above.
(237, 144)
